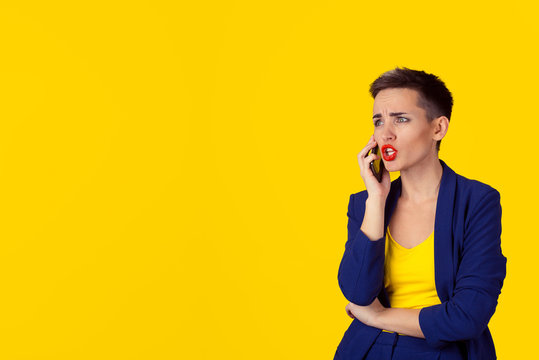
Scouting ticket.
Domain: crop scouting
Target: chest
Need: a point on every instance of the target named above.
(411, 224)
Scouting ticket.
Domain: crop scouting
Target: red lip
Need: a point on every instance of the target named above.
(388, 157)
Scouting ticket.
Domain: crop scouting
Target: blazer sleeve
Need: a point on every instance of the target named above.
(361, 271)
(479, 279)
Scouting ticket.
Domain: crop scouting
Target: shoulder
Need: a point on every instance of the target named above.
(477, 204)
(472, 192)
(356, 204)
(478, 213)
(356, 197)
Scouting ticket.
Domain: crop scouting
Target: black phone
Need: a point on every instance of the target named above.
(377, 166)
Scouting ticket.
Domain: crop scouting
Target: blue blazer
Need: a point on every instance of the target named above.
(469, 268)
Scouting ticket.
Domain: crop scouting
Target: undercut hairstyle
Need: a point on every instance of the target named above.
(433, 96)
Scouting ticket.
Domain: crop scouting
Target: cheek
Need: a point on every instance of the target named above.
(419, 137)
(415, 143)
(377, 137)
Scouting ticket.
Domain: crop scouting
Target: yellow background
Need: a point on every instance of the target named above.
(175, 175)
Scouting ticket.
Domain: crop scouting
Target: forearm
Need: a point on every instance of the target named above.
(361, 271)
(403, 321)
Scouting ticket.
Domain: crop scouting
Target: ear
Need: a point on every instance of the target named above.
(440, 125)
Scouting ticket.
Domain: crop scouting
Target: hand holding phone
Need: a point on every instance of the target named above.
(377, 165)
(373, 171)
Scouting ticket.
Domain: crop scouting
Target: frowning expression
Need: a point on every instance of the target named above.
(401, 128)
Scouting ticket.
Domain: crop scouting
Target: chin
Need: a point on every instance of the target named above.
(391, 166)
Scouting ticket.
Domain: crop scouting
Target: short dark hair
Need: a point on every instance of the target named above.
(434, 96)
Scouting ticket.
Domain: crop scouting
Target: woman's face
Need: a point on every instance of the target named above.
(400, 125)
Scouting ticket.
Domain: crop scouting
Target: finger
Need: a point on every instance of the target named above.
(365, 162)
(370, 157)
(371, 144)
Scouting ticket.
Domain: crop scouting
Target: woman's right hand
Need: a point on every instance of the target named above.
(374, 188)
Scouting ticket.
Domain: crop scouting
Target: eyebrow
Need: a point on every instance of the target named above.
(390, 114)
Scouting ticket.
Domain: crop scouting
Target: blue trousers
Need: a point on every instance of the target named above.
(392, 346)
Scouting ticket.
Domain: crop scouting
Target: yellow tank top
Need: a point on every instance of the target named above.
(409, 274)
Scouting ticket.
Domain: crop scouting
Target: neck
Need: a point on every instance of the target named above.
(421, 182)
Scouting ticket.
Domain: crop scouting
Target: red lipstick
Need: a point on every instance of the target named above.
(389, 152)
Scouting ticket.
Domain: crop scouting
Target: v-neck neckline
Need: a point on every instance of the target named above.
(405, 248)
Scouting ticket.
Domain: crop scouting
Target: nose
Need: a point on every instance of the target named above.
(387, 134)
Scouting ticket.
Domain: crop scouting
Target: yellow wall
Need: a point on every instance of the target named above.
(175, 175)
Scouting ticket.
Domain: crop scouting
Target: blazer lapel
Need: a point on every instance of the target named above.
(443, 234)
(391, 202)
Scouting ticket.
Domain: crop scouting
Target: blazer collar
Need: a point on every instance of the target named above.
(443, 228)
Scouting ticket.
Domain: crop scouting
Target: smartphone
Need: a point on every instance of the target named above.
(377, 166)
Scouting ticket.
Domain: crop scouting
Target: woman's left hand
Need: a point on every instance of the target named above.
(365, 314)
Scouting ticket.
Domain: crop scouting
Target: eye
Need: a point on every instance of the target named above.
(376, 122)
(405, 119)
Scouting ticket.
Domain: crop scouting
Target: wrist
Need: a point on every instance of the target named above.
(378, 318)
(376, 200)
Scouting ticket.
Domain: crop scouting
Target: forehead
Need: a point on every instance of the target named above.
(396, 99)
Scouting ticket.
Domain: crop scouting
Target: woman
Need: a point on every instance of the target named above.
(422, 266)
